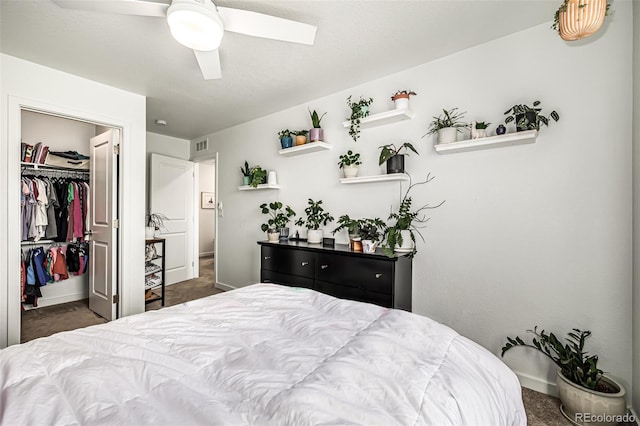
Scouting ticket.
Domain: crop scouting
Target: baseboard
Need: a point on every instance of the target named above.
(51, 301)
(224, 287)
(537, 384)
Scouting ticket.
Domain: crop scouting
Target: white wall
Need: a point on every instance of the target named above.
(24, 83)
(636, 210)
(531, 235)
(207, 217)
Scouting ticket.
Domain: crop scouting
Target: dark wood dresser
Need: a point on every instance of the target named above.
(338, 271)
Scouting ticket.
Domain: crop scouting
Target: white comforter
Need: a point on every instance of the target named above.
(263, 354)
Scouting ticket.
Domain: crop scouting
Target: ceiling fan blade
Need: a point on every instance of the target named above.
(266, 26)
(209, 64)
(122, 7)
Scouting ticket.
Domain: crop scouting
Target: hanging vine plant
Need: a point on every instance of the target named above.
(359, 110)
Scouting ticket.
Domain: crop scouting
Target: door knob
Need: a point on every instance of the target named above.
(305, 263)
(378, 275)
(267, 257)
(324, 266)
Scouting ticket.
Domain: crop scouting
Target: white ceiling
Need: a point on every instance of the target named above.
(356, 41)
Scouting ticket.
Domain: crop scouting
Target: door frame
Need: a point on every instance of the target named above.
(16, 104)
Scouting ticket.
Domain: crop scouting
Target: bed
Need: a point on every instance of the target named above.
(262, 354)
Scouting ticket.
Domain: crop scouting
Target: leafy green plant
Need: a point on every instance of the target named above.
(350, 158)
(448, 118)
(279, 218)
(571, 358)
(246, 170)
(403, 92)
(528, 118)
(284, 133)
(406, 219)
(359, 110)
(300, 132)
(315, 119)
(345, 222)
(371, 228)
(482, 125)
(257, 176)
(390, 150)
(156, 220)
(563, 9)
(316, 216)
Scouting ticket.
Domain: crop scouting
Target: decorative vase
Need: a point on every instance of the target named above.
(286, 142)
(301, 140)
(273, 235)
(350, 171)
(149, 232)
(316, 134)
(501, 130)
(581, 18)
(447, 135)
(369, 246)
(314, 236)
(272, 179)
(246, 180)
(407, 243)
(578, 401)
(356, 244)
(395, 164)
(283, 234)
(401, 101)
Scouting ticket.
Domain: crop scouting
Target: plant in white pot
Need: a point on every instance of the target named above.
(582, 386)
(316, 133)
(447, 125)
(316, 217)
(401, 98)
(371, 231)
(400, 237)
(155, 221)
(349, 163)
(276, 226)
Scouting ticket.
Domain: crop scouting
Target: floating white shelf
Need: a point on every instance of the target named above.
(383, 118)
(510, 139)
(261, 186)
(307, 148)
(395, 177)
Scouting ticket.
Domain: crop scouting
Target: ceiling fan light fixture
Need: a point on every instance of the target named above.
(194, 25)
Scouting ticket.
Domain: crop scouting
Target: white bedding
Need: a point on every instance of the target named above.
(263, 354)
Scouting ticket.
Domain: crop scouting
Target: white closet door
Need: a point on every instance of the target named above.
(172, 185)
(103, 276)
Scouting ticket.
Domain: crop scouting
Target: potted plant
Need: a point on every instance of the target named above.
(359, 110)
(400, 236)
(286, 141)
(371, 231)
(246, 173)
(478, 129)
(447, 125)
(582, 386)
(316, 133)
(528, 118)
(155, 221)
(257, 176)
(401, 98)
(351, 225)
(278, 220)
(349, 163)
(301, 136)
(316, 217)
(577, 19)
(393, 157)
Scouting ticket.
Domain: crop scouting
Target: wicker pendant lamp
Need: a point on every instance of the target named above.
(578, 19)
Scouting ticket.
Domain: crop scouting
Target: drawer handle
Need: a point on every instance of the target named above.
(304, 263)
(324, 266)
(378, 275)
(267, 257)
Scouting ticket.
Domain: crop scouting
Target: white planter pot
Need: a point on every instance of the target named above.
(447, 135)
(149, 232)
(407, 243)
(369, 246)
(314, 236)
(273, 237)
(401, 103)
(603, 408)
(350, 171)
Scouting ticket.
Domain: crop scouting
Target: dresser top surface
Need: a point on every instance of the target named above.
(342, 249)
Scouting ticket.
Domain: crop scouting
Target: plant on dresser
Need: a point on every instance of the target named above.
(368, 230)
(276, 226)
(316, 217)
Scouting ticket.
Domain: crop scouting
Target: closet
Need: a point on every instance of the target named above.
(55, 203)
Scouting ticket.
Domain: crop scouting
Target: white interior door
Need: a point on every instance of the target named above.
(103, 246)
(171, 193)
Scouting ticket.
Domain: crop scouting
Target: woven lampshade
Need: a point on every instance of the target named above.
(581, 19)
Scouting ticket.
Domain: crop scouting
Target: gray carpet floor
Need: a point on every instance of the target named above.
(542, 410)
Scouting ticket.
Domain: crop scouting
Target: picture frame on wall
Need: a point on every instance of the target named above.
(208, 200)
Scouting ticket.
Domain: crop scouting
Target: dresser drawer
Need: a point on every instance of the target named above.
(287, 261)
(353, 293)
(267, 276)
(367, 274)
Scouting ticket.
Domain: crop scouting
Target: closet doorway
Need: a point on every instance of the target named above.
(69, 218)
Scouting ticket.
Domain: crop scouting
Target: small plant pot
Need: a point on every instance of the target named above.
(316, 135)
(369, 246)
(529, 124)
(284, 233)
(356, 244)
(149, 232)
(447, 135)
(395, 164)
(273, 235)
(314, 236)
(350, 171)
(401, 101)
(286, 142)
(246, 180)
(301, 140)
(407, 243)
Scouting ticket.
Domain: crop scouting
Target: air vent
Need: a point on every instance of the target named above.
(202, 145)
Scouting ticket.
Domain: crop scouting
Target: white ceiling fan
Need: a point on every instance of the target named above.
(200, 24)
